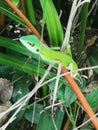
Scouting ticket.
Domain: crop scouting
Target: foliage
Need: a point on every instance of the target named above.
(16, 61)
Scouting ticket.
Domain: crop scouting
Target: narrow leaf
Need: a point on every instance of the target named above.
(52, 21)
(19, 64)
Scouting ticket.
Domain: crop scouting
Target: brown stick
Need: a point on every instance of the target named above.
(66, 125)
(2, 19)
(81, 98)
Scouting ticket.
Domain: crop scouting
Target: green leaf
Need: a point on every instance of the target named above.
(60, 93)
(11, 128)
(46, 123)
(14, 45)
(30, 11)
(19, 64)
(19, 117)
(21, 87)
(52, 21)
(5, 71)
(92, 56)
(94, 62)
(64, 93)
(22, 65)
(92, 98)
(29, 113)
(83, 28)
(69, 96)
(4, 8)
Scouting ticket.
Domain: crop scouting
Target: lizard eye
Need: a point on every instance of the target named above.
(31, 44)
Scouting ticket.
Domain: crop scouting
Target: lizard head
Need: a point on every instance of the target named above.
(31, 42)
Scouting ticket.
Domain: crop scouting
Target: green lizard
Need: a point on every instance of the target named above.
(32, 43)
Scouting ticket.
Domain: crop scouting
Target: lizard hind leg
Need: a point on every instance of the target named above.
(70, 68)
(74, 73)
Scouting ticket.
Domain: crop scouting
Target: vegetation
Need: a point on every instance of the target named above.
(58, 24)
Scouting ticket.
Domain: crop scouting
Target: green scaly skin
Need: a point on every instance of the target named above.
(32, 43)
